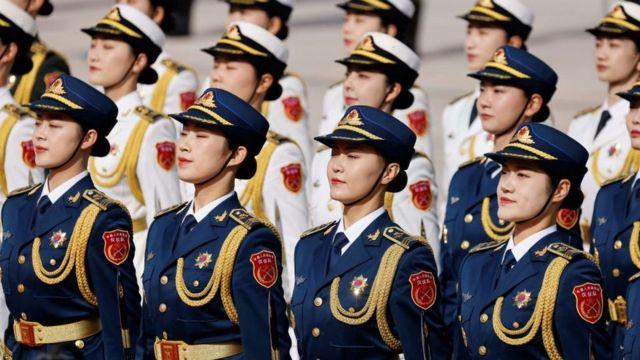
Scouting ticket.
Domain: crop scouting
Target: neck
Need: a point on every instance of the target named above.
(354, 212)
(210, 191)
(528, 228)
(619, 86)
(386, 107)
(256, 102)
(60, 175)
(5, 73)
(500, 141)
(122, 88)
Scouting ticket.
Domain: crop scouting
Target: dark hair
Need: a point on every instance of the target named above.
(575, 197)
(168, 22)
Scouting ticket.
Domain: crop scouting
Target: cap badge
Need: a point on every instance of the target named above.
(233, 33)
(524, 136)
(56, 88)
(366, 44)
(486, 3)
(352, 118)
(500, 57)
(206, 100)
(618, 13)
(113, 14)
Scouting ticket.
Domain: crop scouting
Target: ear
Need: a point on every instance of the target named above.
(34, 6)
(140, 63)
(275, 25)
(515, 41)
(534, 105)
(393, 94)
(158, 15)
(392, 30)
(90, 139)
(10, 53)
(239, 155)
(390, 173)
(562, 191)
(264, 83)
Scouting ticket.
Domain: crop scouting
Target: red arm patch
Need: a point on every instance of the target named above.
(419, 122)
(28, 153)
(589, 301)
(292, 177)
(293, 108)
(116, 245)
(567, 218)
(265, 268)
(421, 194)
(423, 289)
(187, 99)
(166, 154)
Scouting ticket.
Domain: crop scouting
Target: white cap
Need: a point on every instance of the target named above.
(18, 16)
(517, 9)
(263, 37)
(404, 6)
(632, 9)
(143, 23)
(288, 3)
(395, 47)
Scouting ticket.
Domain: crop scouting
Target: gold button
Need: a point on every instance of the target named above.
(21, 259)
(162, 308)
(196, 283)
(484, 318)
(501, 222)
(164, 335)
(351, 309)
(315, 332)
(617, 245)
(464, 245)
(516, 325)
(616, 272)
(482, 350)
(164, 280)
(23, 316)
(317, 301)
(468, 218)
(79, 344)
(52, 262)
(20, 288)
(459, 317)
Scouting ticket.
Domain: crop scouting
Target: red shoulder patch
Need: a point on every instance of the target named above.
(567, 218)
(293, 108)
(166, 154)
(589, 301)
(423, 289)
(419, 122)
(28, 153)
(187, 99)
(421, 194)
(265, 269)
(116, 245)
(292, 177)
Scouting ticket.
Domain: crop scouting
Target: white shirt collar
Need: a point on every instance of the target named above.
(524, 246)
(5, 96)
(127, 103)
(205, 210)
(618, 110)
(495, 172)
(355, 230)
(635, 179)
(61, 189)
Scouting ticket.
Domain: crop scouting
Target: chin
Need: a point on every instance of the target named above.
(340, 196)
(635, 143)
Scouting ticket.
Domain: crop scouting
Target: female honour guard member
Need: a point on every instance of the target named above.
(212, 279)
(532, 296)
(365, 289)
(139, 169)
(248, 61)
(601, 129)
(67, 251)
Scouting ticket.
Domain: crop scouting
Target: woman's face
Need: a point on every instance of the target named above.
(616, 59)
(55, 138)
(201, 153)
(363, 87)
(356, 25)
(109, 61)
(353, 171)
(481, 42)
(523, 191)
(235, 76)
(500, 107)
(633, 124)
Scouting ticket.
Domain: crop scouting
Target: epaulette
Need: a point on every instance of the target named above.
(487, 245)
(176, 207)
(174, 65)
(565, 251)
(458, 98)
(18, 111)
(614, 180)
(147, 113)
(317, 229)
(422, 155)
(242, 217)
(31, 189)
(586, 111)
(276, 138)
(471, 162)
(634, 277)
(400, 237)
(39, 48)
(99, 199)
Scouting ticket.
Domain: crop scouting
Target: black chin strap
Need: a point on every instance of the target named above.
(542, 210)
(126, 75)
(384, 98)
(372, 188)
(224, 166)
(73, 154)
(515, 124)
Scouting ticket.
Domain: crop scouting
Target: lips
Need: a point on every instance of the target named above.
(471, 57)
(505, 201)
(183, 161)
(485, 117)
(40, 149)
(350, 100)
(635, 134)
(601, 68)
(93, 69)
(335, 181)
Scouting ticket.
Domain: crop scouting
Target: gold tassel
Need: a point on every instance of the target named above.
(5, 129)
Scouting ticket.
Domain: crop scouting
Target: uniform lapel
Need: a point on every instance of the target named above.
(621, 199)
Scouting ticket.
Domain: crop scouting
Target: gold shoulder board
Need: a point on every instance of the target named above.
(613, 180)
(586, 111)
(174, 65)
(176, 207)
(31, 189)
(471, 162)
(458, 98)
(99, 199)
(276, 138)
(242, 217)
(317, 229)
(400, 237)
(565, 251)
(18, 111)
(487, 245)
(147, 113)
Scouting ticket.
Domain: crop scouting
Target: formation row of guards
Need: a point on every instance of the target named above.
(538, 251)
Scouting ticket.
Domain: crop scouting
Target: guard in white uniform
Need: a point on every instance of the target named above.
(276, 192)
(396, 14)
(601, 130)
(140, 170)
(491, 24)
(414, 208)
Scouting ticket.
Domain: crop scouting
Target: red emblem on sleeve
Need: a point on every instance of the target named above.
(265, 269)
(28, 153)
(166, 154)
(567, 218)
(423, 289)
(292, 176)
(419, 122)
(116, 245)
(421, 194)
(187, 99)
(589, 301)
(293, 108)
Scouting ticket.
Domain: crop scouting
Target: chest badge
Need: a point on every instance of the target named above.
(203, 260)
(614, 150)
(602, 221)
(522, 299)
(58, 238)
(374, 236)
(358, 285)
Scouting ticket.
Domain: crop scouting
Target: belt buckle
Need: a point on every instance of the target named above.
(170, 350)
(27, 333)
(621, 310)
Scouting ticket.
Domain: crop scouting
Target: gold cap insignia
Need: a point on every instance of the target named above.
(486, 3)
(56, 88)
(206, 100)
(524, 136)
(500, 57)
(233, 33)
(618, 13)
(366, 44)
(352, 118)
(113, 14)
